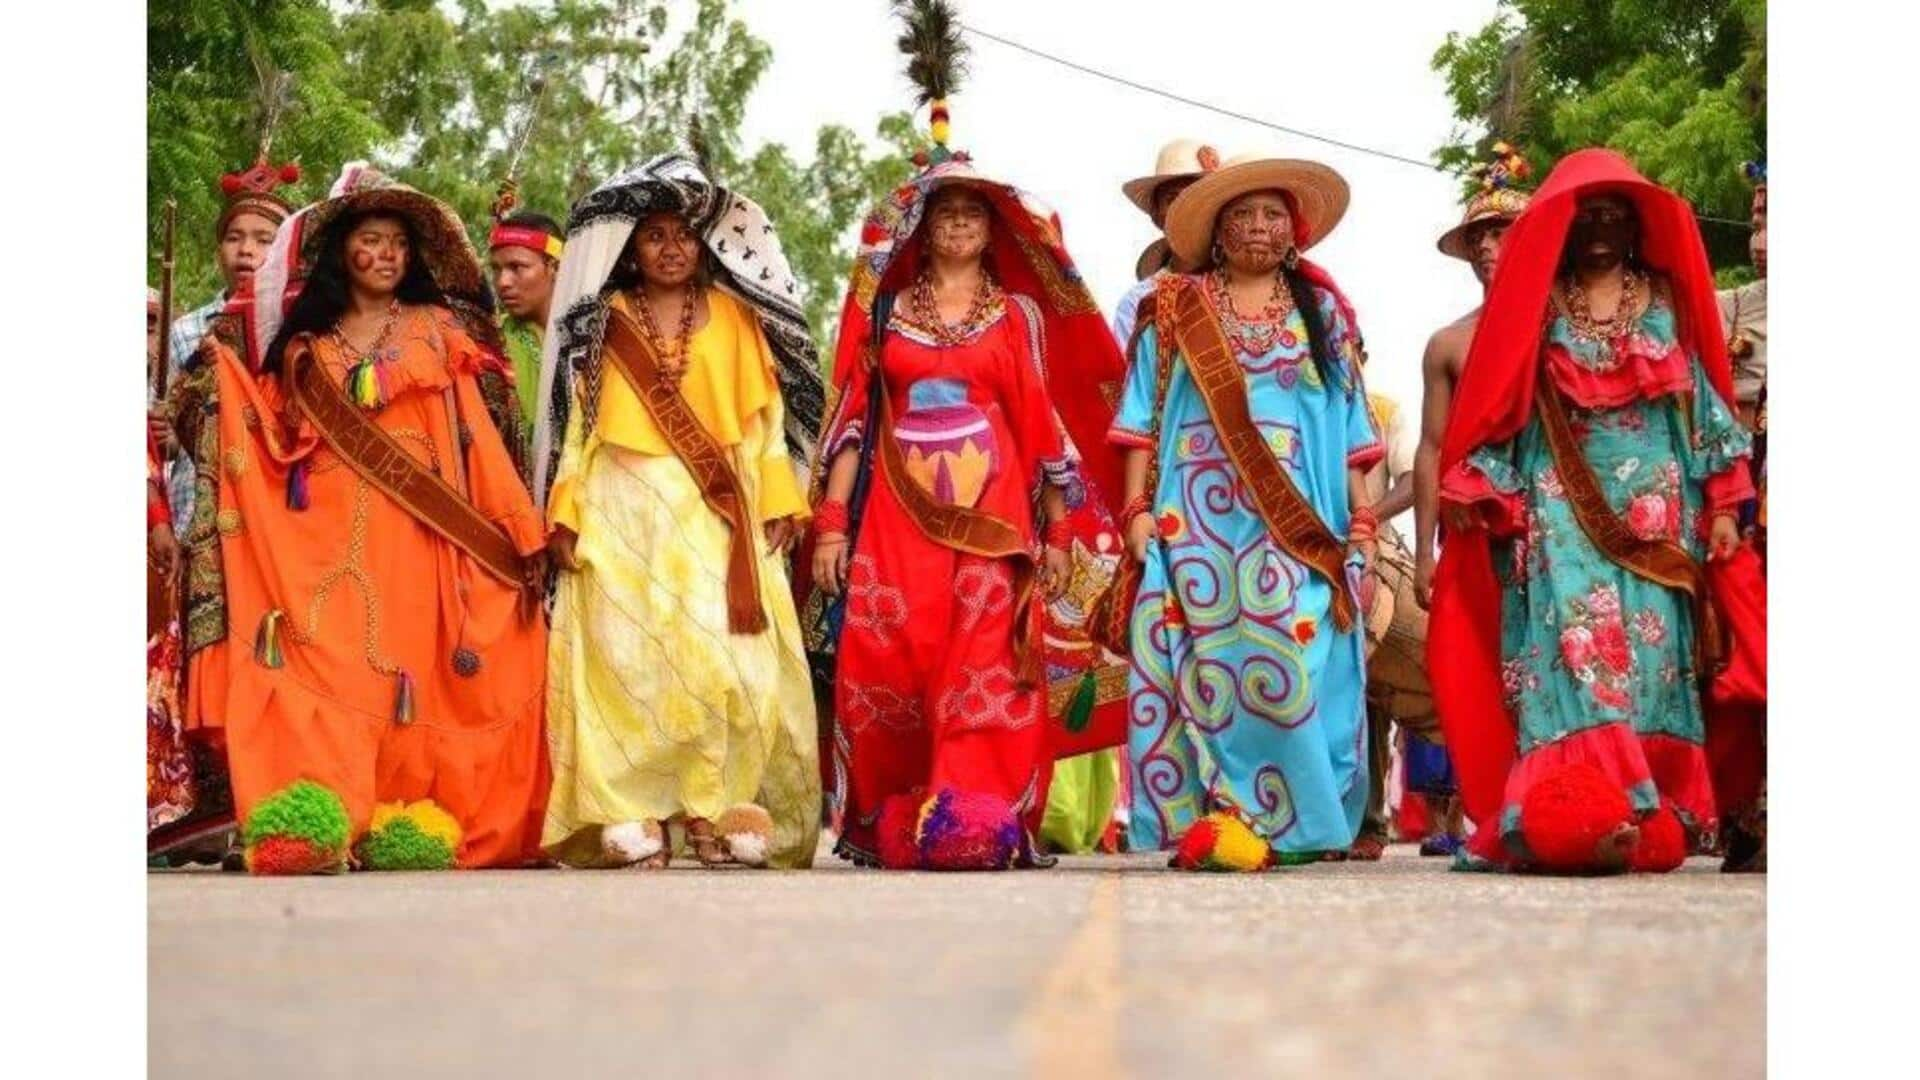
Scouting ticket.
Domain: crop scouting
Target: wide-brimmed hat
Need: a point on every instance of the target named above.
(444, 244)
(1319, 197)
(1180, 159)
(1154, 258)
(1497, 199)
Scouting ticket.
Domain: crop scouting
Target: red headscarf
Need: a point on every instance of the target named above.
(1084, 368)
(1494, 401)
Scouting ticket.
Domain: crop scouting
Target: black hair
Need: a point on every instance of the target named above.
(325, 295)
(533, 219)
(1307, 299)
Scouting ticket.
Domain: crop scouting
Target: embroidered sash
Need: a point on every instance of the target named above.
(1662, 562)
(961, 528)
(1292, 521)
(632, 355)
(380, 460)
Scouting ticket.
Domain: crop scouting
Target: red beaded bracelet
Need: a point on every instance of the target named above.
(1059, 534)
(830, 518)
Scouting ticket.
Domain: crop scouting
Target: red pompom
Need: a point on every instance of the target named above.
(231, 184)
(288, 855)
(894, 832)
(1567, 813)
(290, 173)
(1663, 842)
(1196, 845)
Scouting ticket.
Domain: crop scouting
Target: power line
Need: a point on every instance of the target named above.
(1223, 111)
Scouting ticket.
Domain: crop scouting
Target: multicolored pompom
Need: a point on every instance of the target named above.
(301, 829)
(747, 830)
(1221, 841)
(962, 830)
(410, 836)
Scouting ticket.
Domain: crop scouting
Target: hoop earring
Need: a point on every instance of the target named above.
(1219, 257)
(1291, 260)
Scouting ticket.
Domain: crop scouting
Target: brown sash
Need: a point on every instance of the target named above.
(1659, 561)
(704, 458)
(1293, 522)
(962, 528)
(383, 462)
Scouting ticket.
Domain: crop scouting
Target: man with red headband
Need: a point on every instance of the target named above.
(1592, 601)
(523, 252)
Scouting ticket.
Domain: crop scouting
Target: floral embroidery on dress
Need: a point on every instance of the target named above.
(984, 699)
(1595, 650)
(878, 609)
(984, 589)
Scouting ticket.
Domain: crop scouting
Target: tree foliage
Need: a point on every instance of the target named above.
(439, 91)
(1678, 86)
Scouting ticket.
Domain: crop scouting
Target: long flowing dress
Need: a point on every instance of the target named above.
(656, 710)
(368, 602)
(928, 693)
(1598, 664)
(1243, 695)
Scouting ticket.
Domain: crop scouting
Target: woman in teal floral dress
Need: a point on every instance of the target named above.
(1596, 664)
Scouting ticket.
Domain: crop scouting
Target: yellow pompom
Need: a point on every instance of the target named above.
(941, 129)
(426, 815)
(1237, 846)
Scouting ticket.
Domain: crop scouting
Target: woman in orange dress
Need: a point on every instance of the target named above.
(382, 678)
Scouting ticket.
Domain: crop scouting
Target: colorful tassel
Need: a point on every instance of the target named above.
(403, 700)
(366, 385)
(297, 486)
(266, 641)
(1080, 709)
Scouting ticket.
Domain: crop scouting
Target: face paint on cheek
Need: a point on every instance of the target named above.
(362, 260)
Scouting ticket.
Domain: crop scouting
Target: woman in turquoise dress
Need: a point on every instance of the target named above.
(1246, 696)
(1598, 668)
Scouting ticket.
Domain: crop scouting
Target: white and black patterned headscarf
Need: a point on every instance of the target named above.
(744, 253)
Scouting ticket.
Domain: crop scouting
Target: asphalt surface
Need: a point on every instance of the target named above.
(1103, 966)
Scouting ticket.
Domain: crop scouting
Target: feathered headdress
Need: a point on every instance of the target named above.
(255, 190)
(936, 62)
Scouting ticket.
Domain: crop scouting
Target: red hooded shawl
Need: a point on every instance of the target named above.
(1493, 402)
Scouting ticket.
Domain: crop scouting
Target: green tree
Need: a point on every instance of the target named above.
(438, 93)
(203, 110)
(1679, 86)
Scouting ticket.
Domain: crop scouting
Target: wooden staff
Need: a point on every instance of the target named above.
(162, 358)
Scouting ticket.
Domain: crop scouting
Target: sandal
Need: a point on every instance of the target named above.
(707, 846)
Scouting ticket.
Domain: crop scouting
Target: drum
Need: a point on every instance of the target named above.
(1397, 652)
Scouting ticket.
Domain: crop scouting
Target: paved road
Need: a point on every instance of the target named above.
(1102, 967)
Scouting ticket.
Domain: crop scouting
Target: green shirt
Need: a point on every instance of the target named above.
(523, 352)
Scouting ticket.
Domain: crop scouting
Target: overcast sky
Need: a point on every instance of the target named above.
(1354, 70)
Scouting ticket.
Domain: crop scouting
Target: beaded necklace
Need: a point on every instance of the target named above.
(1580, 316)
(672, 354)
(927, 311)
(1252, 335)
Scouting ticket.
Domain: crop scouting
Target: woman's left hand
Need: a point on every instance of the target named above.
(1054, 572)
(782, 533)
(1723, 538)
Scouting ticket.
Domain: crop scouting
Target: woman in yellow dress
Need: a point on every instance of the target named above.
(678, 691)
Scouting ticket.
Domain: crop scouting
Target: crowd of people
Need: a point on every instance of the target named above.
(579, 557)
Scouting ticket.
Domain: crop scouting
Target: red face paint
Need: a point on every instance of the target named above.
(363, 260)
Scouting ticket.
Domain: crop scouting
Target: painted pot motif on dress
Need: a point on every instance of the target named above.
(950, 447)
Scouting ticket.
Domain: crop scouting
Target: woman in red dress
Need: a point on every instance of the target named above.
(942, 751)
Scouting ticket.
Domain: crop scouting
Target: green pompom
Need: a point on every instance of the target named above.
(401, 845)
(302, 809)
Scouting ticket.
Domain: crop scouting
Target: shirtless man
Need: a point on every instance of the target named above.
(1476, 240)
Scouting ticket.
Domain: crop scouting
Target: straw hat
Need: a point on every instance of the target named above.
(1319, 195)
(1153, 258)
(1178, 160)
(1498, 198)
